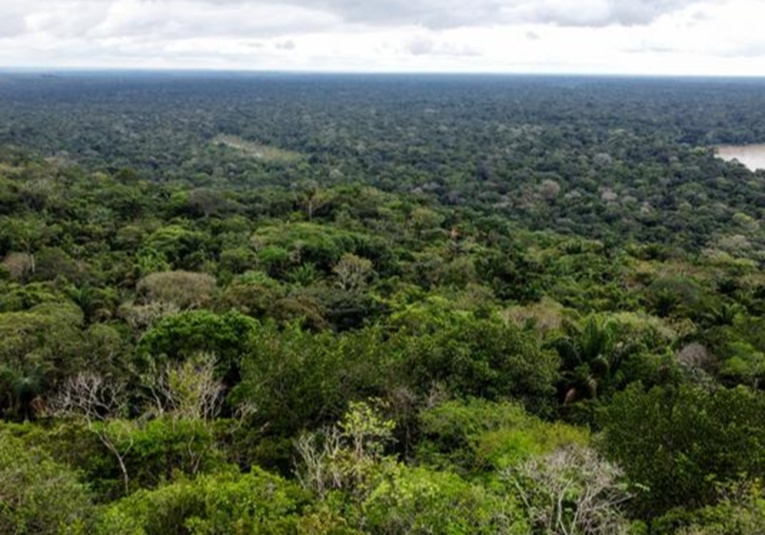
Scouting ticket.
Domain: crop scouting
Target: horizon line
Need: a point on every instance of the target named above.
(342, 72)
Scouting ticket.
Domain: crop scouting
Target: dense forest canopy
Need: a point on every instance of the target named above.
(599, 157)
(281, 303)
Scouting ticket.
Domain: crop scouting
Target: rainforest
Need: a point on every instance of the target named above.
(380, 304)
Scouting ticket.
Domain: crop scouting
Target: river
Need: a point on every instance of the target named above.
(752, 156)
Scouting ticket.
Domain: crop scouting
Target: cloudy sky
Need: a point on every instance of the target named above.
(714, 37)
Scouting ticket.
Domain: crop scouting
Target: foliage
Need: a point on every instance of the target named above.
(424, 281)
(181, 336)
(478, 435)
(474, 356)
(180, 288)
(740, 511)
(346, 457)
(222, 503)
(37, 494)
(571, 491)
(678, 442)
(417, 500)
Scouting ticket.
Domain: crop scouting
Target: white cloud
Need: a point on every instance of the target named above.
(598, 36)
(443, 14)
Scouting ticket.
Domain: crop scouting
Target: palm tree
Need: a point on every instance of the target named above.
(590, 357)
(19, 389)
(723, 315)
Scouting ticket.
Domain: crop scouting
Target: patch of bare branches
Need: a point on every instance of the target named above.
(572, 491)
(188, 389)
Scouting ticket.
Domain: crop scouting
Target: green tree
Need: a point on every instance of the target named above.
(679, 441)
(37, 494)
(180, 336)
(226, 502)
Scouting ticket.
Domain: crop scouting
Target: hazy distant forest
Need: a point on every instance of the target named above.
(239, 303)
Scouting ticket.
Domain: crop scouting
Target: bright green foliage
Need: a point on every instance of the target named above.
(222, 503)
(39, 496)
(154, 452)
(151, 261)
(421, 501)
(17, 298)
(477, 435)
(302, 243)
(345, 467)
(72, 443)
(740, 346)
(366, 431)
(177, 245)
(24, 234)
(162, 449)
(349, 456)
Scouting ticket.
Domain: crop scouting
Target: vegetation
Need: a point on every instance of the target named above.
(380, 305)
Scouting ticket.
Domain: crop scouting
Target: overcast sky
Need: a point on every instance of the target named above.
(716, 37)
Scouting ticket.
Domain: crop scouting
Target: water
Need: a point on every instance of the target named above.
(752, 156)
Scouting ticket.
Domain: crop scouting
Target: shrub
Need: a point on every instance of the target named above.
(38, 495)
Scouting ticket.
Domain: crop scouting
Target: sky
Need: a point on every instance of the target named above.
(649, 37)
